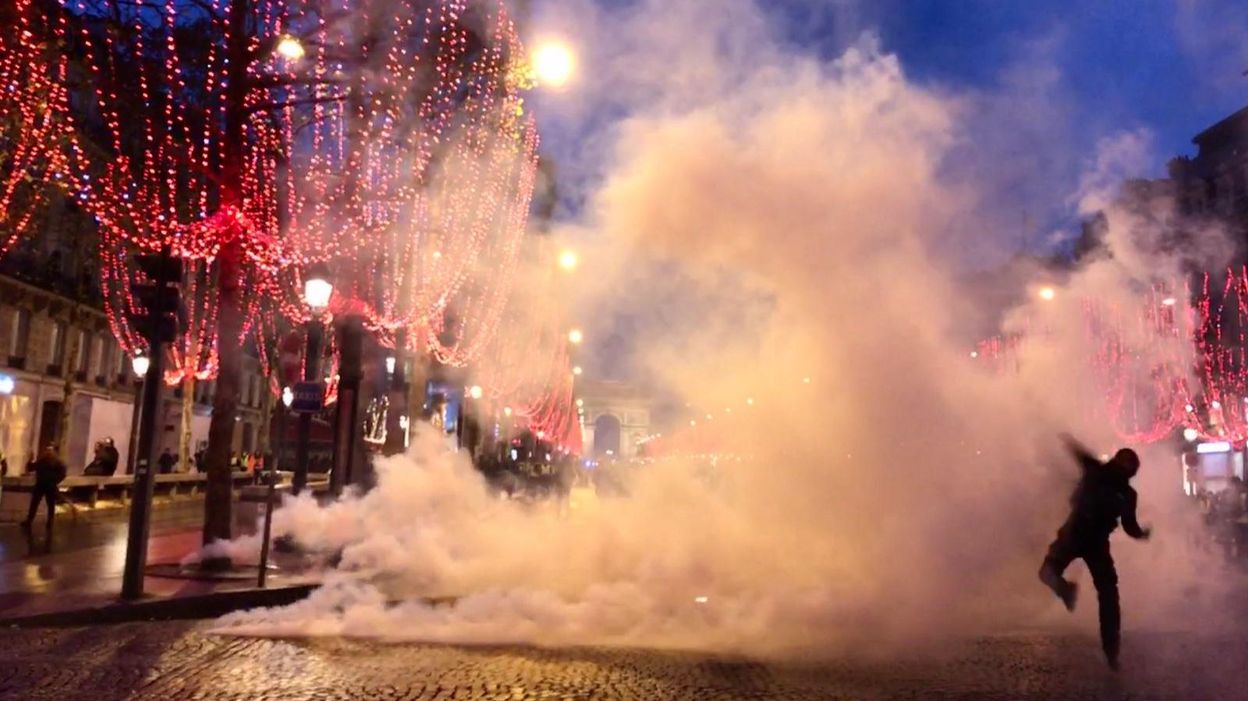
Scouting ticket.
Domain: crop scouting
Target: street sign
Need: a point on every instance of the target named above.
(309, 397)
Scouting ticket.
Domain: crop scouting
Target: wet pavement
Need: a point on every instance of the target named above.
(183, 661)
(79, 564)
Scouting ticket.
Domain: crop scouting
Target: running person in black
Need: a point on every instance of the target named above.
(1103, 498)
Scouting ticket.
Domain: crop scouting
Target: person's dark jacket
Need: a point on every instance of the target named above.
(109, 460)
(165, 462)
(49, 471)
(1103, 498)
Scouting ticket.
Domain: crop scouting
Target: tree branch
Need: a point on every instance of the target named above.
(265, 106)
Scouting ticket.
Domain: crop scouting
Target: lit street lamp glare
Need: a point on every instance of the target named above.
(553, 64)
(139, 364)
(289, 48)
(1048, 294)
(316, 292)
(568, 260)
(575, 337)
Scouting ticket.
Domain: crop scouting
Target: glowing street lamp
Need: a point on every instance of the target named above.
(390, 363)
(553, 64)
(1169, 301)
(288, 396)
(475, 392)
(140, 364)
(577, 370)
(316, 292)
(289, 48)
(568, 260)
(1190, 435)
(575, 337)
(1048, 294)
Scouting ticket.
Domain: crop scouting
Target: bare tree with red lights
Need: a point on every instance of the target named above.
(252, 138)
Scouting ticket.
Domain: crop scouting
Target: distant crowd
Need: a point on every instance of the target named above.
(1225, 515)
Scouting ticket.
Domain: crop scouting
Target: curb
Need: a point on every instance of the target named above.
(180, 608)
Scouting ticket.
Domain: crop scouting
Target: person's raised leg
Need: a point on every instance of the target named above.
(1060, 555)
(1105, 578)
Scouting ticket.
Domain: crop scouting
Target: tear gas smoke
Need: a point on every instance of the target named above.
(899, 494)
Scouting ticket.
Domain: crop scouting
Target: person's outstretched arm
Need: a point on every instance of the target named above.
(1129, 522)
(1082, 455)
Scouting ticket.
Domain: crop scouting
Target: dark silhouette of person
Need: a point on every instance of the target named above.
(109, 458)
(1103, 498)
(49, 471)
(166, 461)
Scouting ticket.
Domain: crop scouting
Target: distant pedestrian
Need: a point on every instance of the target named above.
(49, 472)
(1104, 496)
(166, 461)
(110, 457)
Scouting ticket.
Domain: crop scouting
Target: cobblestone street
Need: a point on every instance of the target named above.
(180, 661)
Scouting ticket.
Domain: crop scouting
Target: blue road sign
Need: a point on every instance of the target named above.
(309, 397)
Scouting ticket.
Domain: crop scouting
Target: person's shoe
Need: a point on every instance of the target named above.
(1070, 594)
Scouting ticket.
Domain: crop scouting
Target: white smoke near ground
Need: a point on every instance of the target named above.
(902, 495)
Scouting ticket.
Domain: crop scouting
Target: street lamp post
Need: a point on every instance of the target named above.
(287, 398)
(139, 365)
(317, 290)
(397, 409)
(141, 498)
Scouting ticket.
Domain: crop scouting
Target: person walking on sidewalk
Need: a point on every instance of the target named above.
(49, 472)
(1104, 496)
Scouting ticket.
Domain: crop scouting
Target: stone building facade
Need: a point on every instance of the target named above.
(50, 343)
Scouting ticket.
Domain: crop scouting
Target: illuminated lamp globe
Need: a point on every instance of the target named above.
(390, 363)
(317, 291)
(1190, 435)
(475, 391)
(577, 370)
(288, 396)
(575, 336)
(506, 411)
(140, 364)
(568, 260)
(1048, 294)
(289, 48)
(553, 64)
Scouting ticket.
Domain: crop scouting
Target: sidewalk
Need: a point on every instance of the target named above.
(80, 566)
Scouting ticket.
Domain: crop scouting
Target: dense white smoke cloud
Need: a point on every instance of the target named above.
(901, 495)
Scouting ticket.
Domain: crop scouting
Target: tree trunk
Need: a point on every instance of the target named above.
(185, 454)
(68, 369)
(218, 493)
(264, 442)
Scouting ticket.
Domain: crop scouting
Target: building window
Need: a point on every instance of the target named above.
(103, 356)
(82, 354)
(119, 365)
(56, 344)
(19, 333)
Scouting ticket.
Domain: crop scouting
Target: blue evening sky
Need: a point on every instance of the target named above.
(1172, 66)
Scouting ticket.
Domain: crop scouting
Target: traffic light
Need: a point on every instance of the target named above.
(156, 293)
